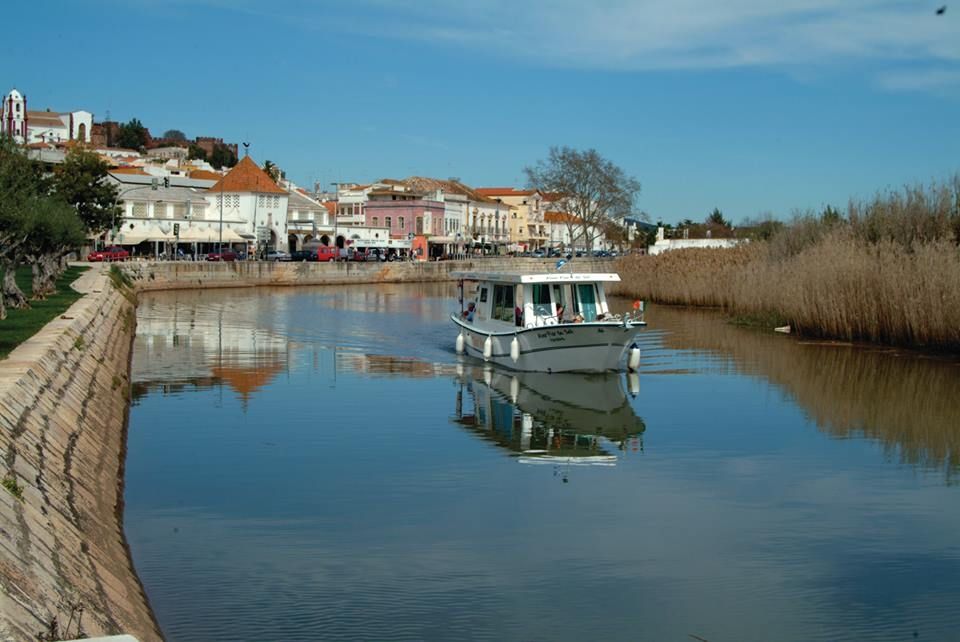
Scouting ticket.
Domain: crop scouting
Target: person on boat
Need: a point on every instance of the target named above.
(559, 314)
(578, 318)
(468, 313)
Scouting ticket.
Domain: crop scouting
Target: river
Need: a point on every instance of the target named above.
(317, 463)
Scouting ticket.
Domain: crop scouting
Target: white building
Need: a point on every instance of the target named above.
(238, 209)
(30, 127)
(248, 195)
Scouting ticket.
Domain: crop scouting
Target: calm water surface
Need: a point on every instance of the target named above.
(317, 464)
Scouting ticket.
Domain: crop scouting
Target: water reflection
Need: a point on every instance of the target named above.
(549, 418)
(328, 472)
(905, 401)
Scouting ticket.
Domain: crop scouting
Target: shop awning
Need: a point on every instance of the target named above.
(207, 235)
(133, 237)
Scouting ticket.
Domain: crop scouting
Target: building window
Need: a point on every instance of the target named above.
(179, 210)
(376, 221)
(260, 201)
(400, 222)
(139, 210)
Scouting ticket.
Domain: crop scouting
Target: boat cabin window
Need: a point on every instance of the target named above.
(541, 300)
(503, 303)
(483, 295)
(587, 301)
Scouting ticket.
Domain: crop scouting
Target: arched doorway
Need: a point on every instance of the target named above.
(341, 242)
(82, 133)
(273, 241)
(292, 243)
(325, 240)
(307, 239)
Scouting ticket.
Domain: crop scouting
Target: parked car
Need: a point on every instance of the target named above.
(356, 256)
(277, 255)
(539, 254)
(376, 254)
(225, 255)
(112, 253)
(303, 255)
(320, 253)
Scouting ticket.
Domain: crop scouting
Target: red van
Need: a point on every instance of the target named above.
(325, 253)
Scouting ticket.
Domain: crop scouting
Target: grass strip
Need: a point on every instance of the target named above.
(20, 325)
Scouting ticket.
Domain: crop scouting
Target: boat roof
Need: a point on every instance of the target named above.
(544, 277)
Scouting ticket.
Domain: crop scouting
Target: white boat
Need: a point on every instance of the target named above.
(551, 322)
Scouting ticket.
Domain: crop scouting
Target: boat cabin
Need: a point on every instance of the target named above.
(534, 300)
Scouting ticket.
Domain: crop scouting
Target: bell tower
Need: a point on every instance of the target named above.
(13, 116)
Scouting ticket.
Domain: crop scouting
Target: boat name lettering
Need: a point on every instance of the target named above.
(554, 335)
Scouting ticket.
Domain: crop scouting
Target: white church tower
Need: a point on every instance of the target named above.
(13, 116)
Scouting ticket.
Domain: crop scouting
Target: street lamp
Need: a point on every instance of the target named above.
(336, 211)
(220, 241)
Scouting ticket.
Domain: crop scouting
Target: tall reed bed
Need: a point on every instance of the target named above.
(889, 273)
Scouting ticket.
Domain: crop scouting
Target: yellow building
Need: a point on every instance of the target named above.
(528, 229)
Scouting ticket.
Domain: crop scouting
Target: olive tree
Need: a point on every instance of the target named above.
(21, 183)
(81, 181)
(590, 188)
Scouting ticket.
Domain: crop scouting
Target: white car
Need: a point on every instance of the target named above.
(277, 255)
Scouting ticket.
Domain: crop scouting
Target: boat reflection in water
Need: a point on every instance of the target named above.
(559, 418)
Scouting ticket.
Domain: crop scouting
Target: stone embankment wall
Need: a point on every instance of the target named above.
(63, 405)
(188, 274)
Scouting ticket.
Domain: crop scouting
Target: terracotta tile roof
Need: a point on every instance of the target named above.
(560, 217)
(44, 118)
(247, 177)
(424, 184)
(331, 206)
(205, 175)
(504, 191)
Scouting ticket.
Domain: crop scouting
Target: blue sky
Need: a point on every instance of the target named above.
(751, 106)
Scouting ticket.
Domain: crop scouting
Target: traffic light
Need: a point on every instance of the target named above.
(176, 229)
(166, 182)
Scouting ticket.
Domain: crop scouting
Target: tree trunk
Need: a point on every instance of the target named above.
(44, 275)
(13, 296)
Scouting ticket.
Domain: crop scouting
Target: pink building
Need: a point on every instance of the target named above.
(405, 217)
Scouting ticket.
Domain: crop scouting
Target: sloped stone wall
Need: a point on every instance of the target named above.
(63, 406)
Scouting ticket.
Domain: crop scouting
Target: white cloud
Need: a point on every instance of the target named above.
(682, 34)
(924, 80)
(875, 35)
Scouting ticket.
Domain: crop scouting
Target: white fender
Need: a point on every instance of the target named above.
(633, 382)
(514, 389)
(488, 375)
(633, 360)
(487, 348)
(460, 343)
(515, 349)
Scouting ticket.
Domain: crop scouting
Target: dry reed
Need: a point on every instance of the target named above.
(888, 274)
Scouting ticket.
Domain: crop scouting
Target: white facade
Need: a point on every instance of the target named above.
(251, 214)
(488, 223)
